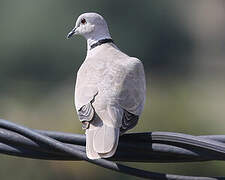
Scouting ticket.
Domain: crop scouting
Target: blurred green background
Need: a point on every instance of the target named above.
(182, 46)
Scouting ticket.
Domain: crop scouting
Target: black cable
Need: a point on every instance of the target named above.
(20, 141)
(141, 152)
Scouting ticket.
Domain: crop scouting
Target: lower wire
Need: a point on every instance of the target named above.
(47, 145)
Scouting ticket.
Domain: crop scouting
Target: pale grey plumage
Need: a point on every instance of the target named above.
(109, 96)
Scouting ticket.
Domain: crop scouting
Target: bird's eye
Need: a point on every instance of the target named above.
(83, 21)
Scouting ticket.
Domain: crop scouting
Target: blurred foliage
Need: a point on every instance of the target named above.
(180, 43)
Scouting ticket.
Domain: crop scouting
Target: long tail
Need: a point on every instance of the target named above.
(102, 142)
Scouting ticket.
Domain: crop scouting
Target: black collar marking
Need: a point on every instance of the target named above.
(100, 42)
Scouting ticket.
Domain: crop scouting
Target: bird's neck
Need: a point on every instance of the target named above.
(95, 38)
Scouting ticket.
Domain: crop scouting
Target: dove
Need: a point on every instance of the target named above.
(110, 88)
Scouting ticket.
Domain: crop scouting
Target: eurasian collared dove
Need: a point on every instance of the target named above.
(110, 88)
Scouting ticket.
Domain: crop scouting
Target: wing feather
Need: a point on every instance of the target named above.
(86, 114)
(128, 122)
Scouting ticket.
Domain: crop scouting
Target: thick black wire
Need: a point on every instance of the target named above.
(141, 152)
(46, 145)
(126, 152)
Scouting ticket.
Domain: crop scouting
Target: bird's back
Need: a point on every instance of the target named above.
(114, 75)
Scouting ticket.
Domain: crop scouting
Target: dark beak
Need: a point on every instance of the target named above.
(71, 33)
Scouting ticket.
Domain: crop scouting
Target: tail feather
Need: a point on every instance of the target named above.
(101, 142)
(91, 153)
(105, 139)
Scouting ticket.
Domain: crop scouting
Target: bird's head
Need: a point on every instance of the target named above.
(90, 25)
